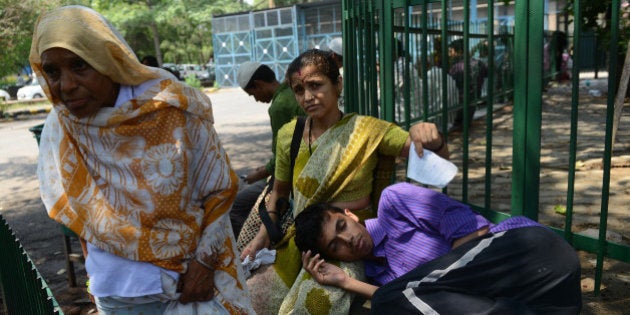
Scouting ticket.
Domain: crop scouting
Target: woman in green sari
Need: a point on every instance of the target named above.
(344, 159)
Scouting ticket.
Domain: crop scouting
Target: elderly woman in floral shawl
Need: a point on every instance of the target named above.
(345, 159)
(130, 161)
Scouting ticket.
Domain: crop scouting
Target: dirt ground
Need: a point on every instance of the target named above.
(42, 238)
(614, 297)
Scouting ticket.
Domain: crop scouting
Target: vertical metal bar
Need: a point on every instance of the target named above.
(423, 62)
(534, 110)
(347, 38)
(443, 64)
(527, 108)
(367, 52)
(467, 100)
(361, 51)
(353, 58)
(386, 60)
(489, 105)
(357, 50)
(612, 77)
(575, 99)
(404, 51)
(370, 18)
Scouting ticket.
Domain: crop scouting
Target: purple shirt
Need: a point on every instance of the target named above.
(415, 225)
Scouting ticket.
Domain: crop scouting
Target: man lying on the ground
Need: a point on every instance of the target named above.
(432, 254)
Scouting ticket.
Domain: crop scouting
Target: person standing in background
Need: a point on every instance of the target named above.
(260, 81)
(150, 61)
(477, 75)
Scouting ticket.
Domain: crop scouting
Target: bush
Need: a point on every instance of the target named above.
(193, 81)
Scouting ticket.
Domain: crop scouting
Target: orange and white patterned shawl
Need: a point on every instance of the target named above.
(142, 180)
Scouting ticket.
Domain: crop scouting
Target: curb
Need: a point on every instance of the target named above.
(31, 111)
(13, 114)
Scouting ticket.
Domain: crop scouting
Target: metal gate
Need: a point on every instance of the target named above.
(273, 37)
(400, 74)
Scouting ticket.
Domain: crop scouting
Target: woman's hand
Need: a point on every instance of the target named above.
(197, 284)
(260, 241)
(426, 136)
(323, 272)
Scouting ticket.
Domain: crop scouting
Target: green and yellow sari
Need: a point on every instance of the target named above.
(352, 159)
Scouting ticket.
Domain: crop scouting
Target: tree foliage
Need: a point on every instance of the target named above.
(180, 31)
(596, 16)
(17, 19)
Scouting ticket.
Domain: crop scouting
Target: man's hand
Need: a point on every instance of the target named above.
(197, 284)
(323, 272)
(256, 175)
(260, 241)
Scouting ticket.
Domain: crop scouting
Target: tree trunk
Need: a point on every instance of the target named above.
(156, 42)
(154, 33)
(622, 91)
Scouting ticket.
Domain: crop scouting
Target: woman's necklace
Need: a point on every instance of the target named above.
(310, 127)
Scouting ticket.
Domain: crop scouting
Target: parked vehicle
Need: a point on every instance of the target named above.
(30, 91)
(170, 66)
(4, 95)
(12, 89)
(208, 76)
(188, 69)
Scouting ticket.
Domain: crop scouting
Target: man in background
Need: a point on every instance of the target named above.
(260, 81)
(476, 76)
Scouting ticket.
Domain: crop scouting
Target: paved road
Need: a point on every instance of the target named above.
(242, 124)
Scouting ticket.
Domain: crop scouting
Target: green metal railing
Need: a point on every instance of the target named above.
(24, 291)
(516, 38)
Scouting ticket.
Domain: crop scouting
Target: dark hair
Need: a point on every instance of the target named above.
(337, 56)
(150, 61)
(263, 73)
(457, 45)
(308, 226)
(399, 49)
(321, 59)
(175, 72)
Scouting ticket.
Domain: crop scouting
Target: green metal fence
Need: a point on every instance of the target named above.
(24, 291)
(398, 42)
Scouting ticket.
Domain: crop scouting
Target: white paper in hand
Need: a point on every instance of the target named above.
(430, 169)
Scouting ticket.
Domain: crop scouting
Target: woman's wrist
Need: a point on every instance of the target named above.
(273, 215)
(209, 262)
(442, 143)
(262, 233)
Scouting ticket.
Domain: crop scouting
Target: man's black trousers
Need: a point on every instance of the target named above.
(529, 270)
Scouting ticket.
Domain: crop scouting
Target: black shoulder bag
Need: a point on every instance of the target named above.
(282, 205)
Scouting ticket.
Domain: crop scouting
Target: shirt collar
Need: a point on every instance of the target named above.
(376, 231)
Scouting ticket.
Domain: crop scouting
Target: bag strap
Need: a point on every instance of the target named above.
(295, 145)
(275, 229)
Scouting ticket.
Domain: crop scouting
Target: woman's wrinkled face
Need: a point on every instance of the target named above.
(314, 91)
(81, 89)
